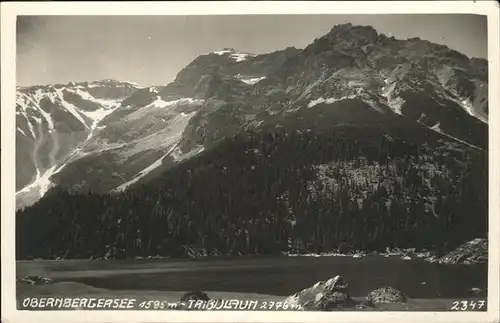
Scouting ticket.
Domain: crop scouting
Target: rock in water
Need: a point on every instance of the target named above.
(195, 296)
(386, 295)
(323, 296)
(35, 280)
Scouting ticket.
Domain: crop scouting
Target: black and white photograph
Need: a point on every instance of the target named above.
(252, 162)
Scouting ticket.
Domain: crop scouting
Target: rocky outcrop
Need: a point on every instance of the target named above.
(35, 280)
(323, 296)
(470, 253)
(332, 295)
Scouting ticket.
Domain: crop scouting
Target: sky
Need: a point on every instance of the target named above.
(151, 50)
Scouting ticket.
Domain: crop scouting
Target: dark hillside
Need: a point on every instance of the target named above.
(346, 184)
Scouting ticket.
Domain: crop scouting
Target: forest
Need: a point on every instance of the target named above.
(255, 192)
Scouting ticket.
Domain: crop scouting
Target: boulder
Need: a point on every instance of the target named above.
(195, 296)
(331, 301)
(386, 295)
(323, 296)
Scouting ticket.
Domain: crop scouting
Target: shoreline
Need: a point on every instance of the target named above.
(81, 291)
(426, 256)
(471, 252)
(403, 253)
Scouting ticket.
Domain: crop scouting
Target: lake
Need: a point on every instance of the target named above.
(272, 276)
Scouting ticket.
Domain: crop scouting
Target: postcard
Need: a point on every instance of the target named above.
(250, 161)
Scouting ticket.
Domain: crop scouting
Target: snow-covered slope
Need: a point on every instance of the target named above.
(51, 122)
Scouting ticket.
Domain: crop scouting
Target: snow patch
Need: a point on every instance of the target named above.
(84, 94)
(60, 168)
(222, 52)
(21, 131)
(97, 115)
(329, 100)
(254, 80)
(317, 101)
(159, 103)
(388, 90)
(48, 118)
(72, 109)
(42, 182)
(436, 127)
(30, 125)
(239, 57)
(467, 105)
(52, 97)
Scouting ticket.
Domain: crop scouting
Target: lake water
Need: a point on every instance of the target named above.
(273, 276)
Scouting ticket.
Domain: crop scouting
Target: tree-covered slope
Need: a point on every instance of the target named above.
(367, 183)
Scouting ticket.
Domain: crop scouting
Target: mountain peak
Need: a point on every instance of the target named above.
(350, 30)
(113, 82)
(72, 84)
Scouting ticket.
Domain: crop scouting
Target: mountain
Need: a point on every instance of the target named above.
(154, 123)
(372, 137)
(53, 122)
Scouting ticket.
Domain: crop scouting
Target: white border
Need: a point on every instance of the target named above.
(9, 11)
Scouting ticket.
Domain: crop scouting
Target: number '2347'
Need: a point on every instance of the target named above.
(468, 305)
